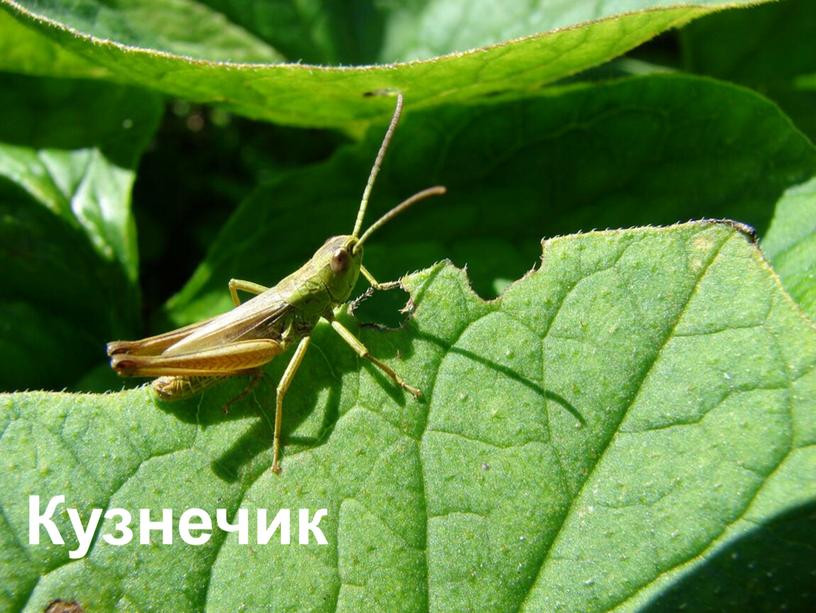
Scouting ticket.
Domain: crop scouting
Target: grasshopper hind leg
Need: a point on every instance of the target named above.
(255, 378)
(179, 387)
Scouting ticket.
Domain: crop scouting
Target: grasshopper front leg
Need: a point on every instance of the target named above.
(376, 284)
(363, 352)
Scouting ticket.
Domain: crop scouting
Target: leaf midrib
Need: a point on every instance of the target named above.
(622, 415)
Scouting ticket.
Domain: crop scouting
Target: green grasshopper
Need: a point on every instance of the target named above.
(241, 341)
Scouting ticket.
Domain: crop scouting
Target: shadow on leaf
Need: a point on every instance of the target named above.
(507, 372)
(311, 408)
(772, 565)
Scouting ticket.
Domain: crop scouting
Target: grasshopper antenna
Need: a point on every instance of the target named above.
(419, 196)
(377, 162)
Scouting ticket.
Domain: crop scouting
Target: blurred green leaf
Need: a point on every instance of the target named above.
(614, 422)
(68, 245)
(790, 244)
(549, 41)
(202, 164)
(768, 47)
(766, 44)
(181, 27)
(24, 49)
(650, 150)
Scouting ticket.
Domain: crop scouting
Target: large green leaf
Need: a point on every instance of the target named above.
(550, 40)
(603, 434)
(791, 244)
(639, 151)
(67, 241)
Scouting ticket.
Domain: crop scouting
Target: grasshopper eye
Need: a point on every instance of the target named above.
(339, 261)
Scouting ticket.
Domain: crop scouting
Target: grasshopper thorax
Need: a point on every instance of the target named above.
(338, 264)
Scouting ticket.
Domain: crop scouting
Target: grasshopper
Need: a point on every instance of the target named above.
(240, 341)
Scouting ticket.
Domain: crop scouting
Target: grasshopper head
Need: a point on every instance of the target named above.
(339, 261)
(340, 258)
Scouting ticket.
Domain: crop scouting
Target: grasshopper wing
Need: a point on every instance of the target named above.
(154, 345)
(257, 318)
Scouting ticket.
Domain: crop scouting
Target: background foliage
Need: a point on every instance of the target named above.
(658, 453)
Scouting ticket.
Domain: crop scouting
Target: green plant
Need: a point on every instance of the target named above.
(631, 426)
